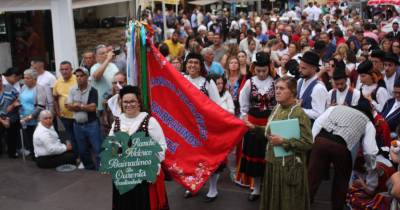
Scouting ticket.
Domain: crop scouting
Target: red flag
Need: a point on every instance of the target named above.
(199, 133)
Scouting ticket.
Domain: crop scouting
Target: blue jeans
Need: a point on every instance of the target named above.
(88, 134)
(69, 128)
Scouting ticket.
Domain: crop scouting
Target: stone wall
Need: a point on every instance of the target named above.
(88, 39)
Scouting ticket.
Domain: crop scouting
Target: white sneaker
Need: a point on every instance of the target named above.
(81, 166)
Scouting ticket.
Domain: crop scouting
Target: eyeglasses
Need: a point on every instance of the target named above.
(133, 102)
(397, 46)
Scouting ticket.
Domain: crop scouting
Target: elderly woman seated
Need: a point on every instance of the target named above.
(49, 151)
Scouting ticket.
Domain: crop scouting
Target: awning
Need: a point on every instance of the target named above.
(169, 1)
(27, 5)
(203, 2)
(384, 2)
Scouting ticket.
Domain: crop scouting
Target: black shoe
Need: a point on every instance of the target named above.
(253, 197)
(210, 199)
(187, 194)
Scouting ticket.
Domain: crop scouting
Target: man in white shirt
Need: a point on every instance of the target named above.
(392, 71)
(244, 44)
(391, 110)
(342, 93)
(45, 79)
(310, 91)
(316, 12)
(309, 11)
(337, 132)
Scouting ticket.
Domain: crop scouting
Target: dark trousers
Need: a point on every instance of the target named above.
(324, 152)
(53, 161)
(12, 138)
(69, 128)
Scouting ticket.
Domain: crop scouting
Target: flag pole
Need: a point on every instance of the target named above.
(133, 10)
(164, 20)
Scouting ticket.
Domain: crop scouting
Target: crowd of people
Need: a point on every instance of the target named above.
(334, 71)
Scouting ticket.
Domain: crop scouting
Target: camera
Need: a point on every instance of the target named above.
(117, 51)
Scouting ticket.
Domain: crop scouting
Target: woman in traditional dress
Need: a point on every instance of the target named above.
(194, 66)
(286, 180)
(257, 99)
(144, 196)
(372, 87)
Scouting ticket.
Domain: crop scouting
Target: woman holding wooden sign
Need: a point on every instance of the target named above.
(144, 195)
(289, 138)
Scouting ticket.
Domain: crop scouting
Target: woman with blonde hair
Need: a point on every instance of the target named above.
(346, 55)
(386, 45)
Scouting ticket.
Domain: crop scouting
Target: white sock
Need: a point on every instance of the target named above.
(257, 185)
(212, 190)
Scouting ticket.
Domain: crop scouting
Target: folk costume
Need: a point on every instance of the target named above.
(257, 99)
(391, 111)
(209, 88)
(377, 91)
(286, 182)
(348, 96)
(338, 133)
(312, 92)
(145, 196)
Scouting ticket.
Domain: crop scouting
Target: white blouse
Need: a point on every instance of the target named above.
(341, 96)
(227, 103)
(46, 142)
(211, 87)
(381, 95)
(131, 125)
(244, 98)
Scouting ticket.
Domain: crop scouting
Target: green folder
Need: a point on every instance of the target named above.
(287, 129)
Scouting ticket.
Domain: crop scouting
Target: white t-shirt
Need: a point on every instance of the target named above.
(47, 80)
(105, 83)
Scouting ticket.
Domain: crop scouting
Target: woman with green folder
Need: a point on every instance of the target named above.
(285, 181)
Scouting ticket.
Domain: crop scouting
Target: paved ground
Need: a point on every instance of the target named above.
(24, 186)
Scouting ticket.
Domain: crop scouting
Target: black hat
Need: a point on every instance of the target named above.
(311, 58)
(391, 57)
(261, 59)
(340, 71)
(365, 107)
(194, 56)
(365, 67)
(378, 54)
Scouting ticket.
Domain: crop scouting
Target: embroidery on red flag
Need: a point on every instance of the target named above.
(199, 133)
